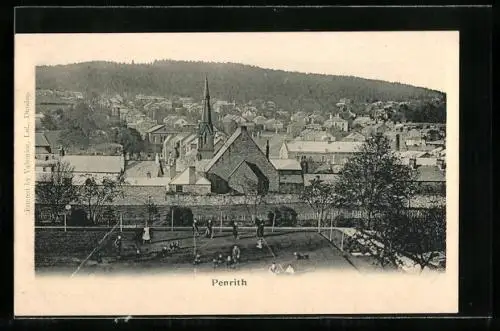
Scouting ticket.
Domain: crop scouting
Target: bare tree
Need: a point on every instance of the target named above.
(320, 197)
(254, 195)
(94, 195)
(56, 189)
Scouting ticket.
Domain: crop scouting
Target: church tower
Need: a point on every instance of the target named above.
(206, 132)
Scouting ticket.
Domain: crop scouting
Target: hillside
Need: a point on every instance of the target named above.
(228, 81)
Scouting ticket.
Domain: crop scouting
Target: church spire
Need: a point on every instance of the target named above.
(206, 116)
(206, 135)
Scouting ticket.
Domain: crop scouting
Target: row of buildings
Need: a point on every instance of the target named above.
(208, 161)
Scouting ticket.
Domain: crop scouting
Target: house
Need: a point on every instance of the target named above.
(362, 121)
(260, 120)
(156, 135)
(273, 125)
(336, 152)
(146, 173)
(42, 145)
(98, 167)
(241, 166)
(336, 122)
(414, 138)
(354, 136)
(315, 135)
(180, 122)
(190, 181)
(290, 179)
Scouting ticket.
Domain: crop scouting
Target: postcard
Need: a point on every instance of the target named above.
(236, 173)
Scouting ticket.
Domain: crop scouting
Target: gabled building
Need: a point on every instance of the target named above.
(241, 166)
(206, 133)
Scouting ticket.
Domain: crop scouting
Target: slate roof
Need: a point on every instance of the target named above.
(95, 164)
(430, 174)
(285, 164)
(324, 147)
(41, 140)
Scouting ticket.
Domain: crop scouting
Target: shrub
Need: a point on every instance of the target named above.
(284, 216)
(183, 216)
(79, 218)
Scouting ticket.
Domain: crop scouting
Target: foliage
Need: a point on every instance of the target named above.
(79, 218)
(152, 210)
(130, 139)
(56, 189)
(283, 216)
(320, 197)
(183, 216)
(374, 180)
(229, 81)
(94, 195)
(421, 237)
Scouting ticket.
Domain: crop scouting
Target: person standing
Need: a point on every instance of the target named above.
(195, 227)
(236, 254)
(209, 233)
(235, 230)
(118, 246)
(146, 237)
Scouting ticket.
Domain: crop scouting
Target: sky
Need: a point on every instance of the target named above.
(415, 58)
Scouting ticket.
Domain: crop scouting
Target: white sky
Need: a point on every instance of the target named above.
(416, 58)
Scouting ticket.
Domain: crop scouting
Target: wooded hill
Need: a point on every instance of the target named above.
(291, 91)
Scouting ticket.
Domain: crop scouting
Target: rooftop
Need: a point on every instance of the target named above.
(285, 164)
(95, 164)
(41, 140)
(324, 147)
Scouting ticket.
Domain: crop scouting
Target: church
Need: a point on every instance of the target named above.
(238, 166)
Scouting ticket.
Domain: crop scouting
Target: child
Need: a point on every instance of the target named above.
(273, 268)
(236, 254)
(146, 238)
(118, 245)
(289, 270)
(209, 233)
(195, 227)
(229, 262)
(197, 259)
(235, 230)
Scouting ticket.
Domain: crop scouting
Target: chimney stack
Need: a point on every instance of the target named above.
(398, 142)
(267, 149)
(441, 164)
(192, 175)
(413, 163)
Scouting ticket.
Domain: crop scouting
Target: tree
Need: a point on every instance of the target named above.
(94, 195)
(56, 189)
(374, 180)
(254, 192)
(130, 139)
(152, 210)
(421, 237)
(320, 197)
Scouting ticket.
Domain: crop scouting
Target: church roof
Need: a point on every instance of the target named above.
(224, 148)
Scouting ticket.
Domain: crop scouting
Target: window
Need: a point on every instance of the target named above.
(178, 188)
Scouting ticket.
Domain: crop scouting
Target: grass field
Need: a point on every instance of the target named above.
(62, 252)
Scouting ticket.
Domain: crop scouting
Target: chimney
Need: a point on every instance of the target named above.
(192, 175)
(413, 163)
(398, 142)
(267, 149)
(441, 164)
(243, 128)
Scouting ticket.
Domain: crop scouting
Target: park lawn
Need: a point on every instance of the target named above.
(280, 249)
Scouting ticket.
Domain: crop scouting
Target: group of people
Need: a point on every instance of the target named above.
(209, 231)
(230, 261)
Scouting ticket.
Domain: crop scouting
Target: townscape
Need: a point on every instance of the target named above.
(202, 183)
